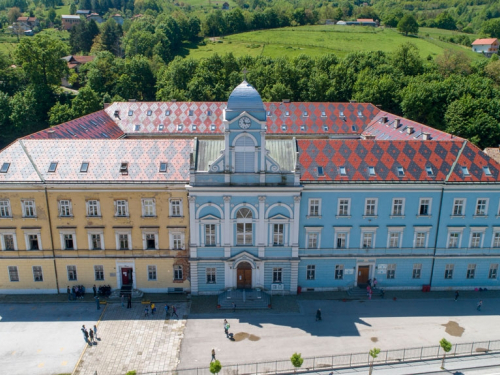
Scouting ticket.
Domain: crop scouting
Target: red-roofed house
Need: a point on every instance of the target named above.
(487, 46)
(28, 23)
(367, 21)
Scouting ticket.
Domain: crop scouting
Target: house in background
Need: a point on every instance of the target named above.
(118, 18)
(225, 6)
(96, 17)
(74, 62)
(486, 46)
(367, 22)
(68, 21)
(83, 12)
(28, 23)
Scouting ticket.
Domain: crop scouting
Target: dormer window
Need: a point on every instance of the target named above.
(343, 171)
(193, 127)
(303, 128)
(179, 127)
(137, 128)
(354, 128)
(287, 114)
(465, 171)
(212, 127)
(163, 167)
(124, 168)
(401, 172)
(167, 112)
(150, 112)
(209, 113)
(130, 113)
(306, 114)
(360, 114)
(84, 167)
(269, 113)
(320, 171)
(323, 114)
(53, 167)
(161, 127)
(341, 113)
(105, 135)
(325, 128)
(5, 168)
(283, 127)
(371, 171)
(429, 171)
(191, 112)
(486, 171)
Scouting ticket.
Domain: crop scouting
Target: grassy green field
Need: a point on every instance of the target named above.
(8, 43)
(207, 3)
(62, 10)
(318, 40)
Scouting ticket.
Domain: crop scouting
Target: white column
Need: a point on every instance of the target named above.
(261, 227)
(194, 278)
(226, 222)
(295, 226)
(294, 265)
(194, 226)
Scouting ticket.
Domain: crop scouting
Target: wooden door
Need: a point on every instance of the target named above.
(244, 276)
(363, 274)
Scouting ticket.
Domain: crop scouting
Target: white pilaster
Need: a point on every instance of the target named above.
(294, 277)
(226, 223)
(295, 223)
(193, 222)
(261, 227)
(194, 277)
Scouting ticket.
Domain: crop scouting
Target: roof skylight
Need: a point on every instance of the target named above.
(84, 167)
(53, 166)
(465, 171)
(401, 171)
(486, 171)
(163, 167)
(5, 168)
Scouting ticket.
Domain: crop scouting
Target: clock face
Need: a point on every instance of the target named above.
(244, 122)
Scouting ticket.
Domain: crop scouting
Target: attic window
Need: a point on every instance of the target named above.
(287, 114)
(269, 113)
(486, 171)
(93, 123)
(371, 171)
(303, 128)
(191, 112)
(193, 127)
(209, 113)
(429, 171)
(124, 168)
(117, 114)
(5, 168)
(341, 113)
(70, 132)
(105, 135)
(150, 112)
(212, 127)
(53, 166)
(306, 114)
(83, 127)
(325, 128)
(137, 128)
(360, 114)
(323, 114)
(401, 172)
(130, 113)
(179, 127)
(84, 167)
(161, 127)
(163, 167)
(465, 171)
(320, 171)
(354, 128)
(283, 127)
(167, 112)
(343, 171)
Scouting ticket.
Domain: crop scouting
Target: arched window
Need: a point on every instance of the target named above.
(245, 155)
(244, 227)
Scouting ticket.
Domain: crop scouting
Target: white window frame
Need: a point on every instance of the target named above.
(245, 222)
(5, 208)
(481, 232)
(313, 202)
(373, 231)
(210, 235)
(65, 206)
(33, 232)
(128, 233)
(67, 232)
(392, 231)
(374, 204)
(99, 270)
(339, 205)
(75, 270)
(493, 271)
(277, 271)
(496, 232)
(172, 234)
(211, 220)
(121, 205)
(393, 213)
(150, 232)
(313, 231)
(16, 269)
(178, 268)
(172, 203)
(41, 273)
(152, 270)
(93, 207)
(311, 272)
(458, 203)
(339, 272)
(458, 230)
(211, 275)
(486, 204)
(426, 231)
(148, 207)
(429, 207)
(391, 271)
(90, 233)
(416, 271)
(8, 232)
(278, 234)
(471, 271)
(341, 230)
(28, 203)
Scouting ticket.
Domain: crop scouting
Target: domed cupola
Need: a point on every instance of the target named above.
(245, 98)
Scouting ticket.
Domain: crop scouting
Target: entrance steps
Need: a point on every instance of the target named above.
(126, 290)
(244, 299)
(359, 292)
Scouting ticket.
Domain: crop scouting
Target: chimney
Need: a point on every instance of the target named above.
(409, 130)
(352, 101)
(397, 122)
(368, 136)
(426, 136)
(173, 100)
(285, 100)
(383, 119)
(51, 133)
(132, 100)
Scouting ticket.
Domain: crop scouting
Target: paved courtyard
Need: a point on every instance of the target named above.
(43, 339)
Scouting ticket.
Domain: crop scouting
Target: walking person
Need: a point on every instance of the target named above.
(85, 334)
(167, 313)
(98, 303)
(123, 300)
(456, 295)
(69, 293)
(374, 283)
(146, 312)
(95, 332)
(153, 308)
(91, 334)
(318, 315)
(174, 312)
(480, 303)
(226, 328)
(213, 356)
(94, 288)
(129, 301)
(370, 294)
(234, 307)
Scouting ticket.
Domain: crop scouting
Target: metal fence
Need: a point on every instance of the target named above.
(345, 360)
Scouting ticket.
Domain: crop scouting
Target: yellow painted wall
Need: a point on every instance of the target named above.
(26, 283)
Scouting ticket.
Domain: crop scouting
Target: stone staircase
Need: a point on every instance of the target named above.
(359, 292)
(244, 299)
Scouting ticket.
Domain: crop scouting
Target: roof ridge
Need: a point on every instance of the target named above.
(31, 160)
(455, 162)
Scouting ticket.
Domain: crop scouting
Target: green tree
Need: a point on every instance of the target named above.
(491, 27)
(446, 21)
(296, 360)
(24, 116)
(215, 367)
(408, 24)
(81, 36)
(60, 113)
(453, 62)
(40, 58)
(110, 38)
(6, 130)
(72, 9)
(87, 101)
(13, 14)
(407, 59)
(446, 345)
(374, 354)
(51, 15)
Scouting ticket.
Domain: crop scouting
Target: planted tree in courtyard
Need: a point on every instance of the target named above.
(446, 345)
(215, 367)
(374, 354)
(297, 360)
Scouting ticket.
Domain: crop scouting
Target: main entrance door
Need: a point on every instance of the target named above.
(363, 274)
(244, 276)
(127, 276)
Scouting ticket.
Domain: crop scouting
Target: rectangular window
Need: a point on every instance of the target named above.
(420, 239)
(453, 239)
(8, 240)
(339, 272)
(29, 209)
(394, 238)
(493, 273)
(123, 241)
(278, 230)
(458, 207)
(177, 272)
(84, 167)
(244, 233)
(148, 207)
(121, 208)
(37, 274)
(424, 207)
(72, 276)
(475, 240)
(312, 240)
(150, 241)
(391, 271)
(96, 241)
(177, 241)
(314, 207)
(344, 207)
(209, 234)
(397, 207)
(401, 171)
(471, 271)
(448, 271)
(175, 207)
(68, 242)
(152, 273)
(93, 208)
(13, 274)
(367, 240)
(311, 272)
(211, 273)
(99, 273)
(496, 239)
(33, 242)
(277, 275)
(417, 271)
(370, 207)
(481, 207)
(65, 207)
(5, 208)
(341, 240)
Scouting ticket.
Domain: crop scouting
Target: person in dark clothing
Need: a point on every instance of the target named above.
(69, 293)
(456, 295)
(129, 301)
(213, 356)
(91, 334)
(95, 291)
(318, 315)
(174, 312)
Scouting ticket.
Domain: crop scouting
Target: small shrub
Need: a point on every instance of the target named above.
(215, 367)
(133, 372)
(297, 360)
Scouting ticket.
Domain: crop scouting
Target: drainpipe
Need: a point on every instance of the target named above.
(437, 233)
(51, 238)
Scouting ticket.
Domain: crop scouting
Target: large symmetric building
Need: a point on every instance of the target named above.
(202, 197)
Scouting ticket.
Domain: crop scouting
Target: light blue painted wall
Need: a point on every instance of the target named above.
(210, 252)
(325, 273)
(460, 272)
(202, 278)
(404, 272)
(268, 273)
